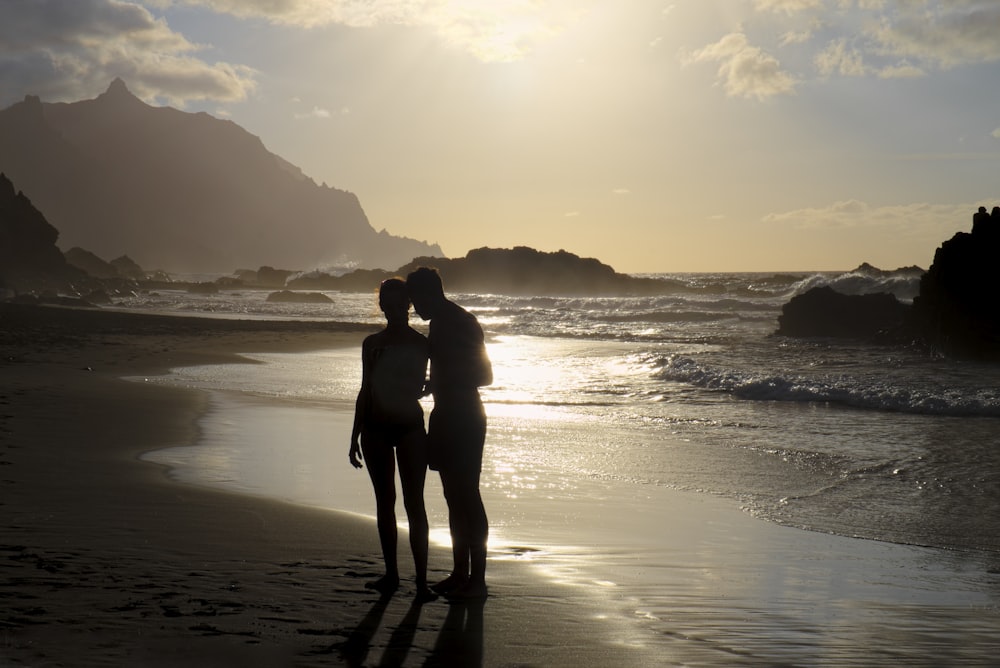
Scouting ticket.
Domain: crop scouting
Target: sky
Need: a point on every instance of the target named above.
(656, 136)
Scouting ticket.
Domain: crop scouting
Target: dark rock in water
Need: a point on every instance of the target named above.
(272, 278)
(359, 280)
(299, 297)
(957, 310)
(824, 312)
(956, 313)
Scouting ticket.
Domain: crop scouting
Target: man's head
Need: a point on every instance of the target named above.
(426, 291)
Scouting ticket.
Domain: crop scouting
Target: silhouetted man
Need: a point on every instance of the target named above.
(457, 429)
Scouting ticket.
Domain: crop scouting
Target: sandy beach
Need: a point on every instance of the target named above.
(106, 562)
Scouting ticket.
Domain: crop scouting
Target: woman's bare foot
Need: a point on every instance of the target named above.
(469, 592)
(386, 584)
(450, 583)
(425, 595)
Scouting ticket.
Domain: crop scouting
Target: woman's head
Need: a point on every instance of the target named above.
(393, 298)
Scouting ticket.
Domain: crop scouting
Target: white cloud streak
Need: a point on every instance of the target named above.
(847, 214)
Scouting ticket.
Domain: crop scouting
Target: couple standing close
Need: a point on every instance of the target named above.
(389, 427)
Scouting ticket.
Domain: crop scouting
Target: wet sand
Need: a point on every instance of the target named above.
(107, 562)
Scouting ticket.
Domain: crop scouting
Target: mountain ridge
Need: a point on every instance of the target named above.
(181, 191)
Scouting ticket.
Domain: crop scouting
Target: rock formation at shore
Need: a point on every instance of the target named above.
(29, 257)
(516, 271)
(824, 312)
(292, 297)
(180, 191)
(957, 311)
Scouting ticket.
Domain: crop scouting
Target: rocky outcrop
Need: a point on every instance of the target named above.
(128, 268)
(179, 191)
(824, 312)
(958, 310)
(955, 313)
(288, 296)
(30, 261)
(90, 263)
(516, 271)
(269, 277)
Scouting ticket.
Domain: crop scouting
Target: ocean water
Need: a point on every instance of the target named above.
(607, 413)
(852, 439)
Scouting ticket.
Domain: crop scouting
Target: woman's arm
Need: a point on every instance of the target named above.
(361, 404)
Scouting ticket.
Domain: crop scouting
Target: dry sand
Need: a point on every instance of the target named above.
(106, 562)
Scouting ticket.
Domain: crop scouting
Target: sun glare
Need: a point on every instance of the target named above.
(499, 32)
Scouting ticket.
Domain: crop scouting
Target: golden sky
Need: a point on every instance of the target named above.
(693, 135)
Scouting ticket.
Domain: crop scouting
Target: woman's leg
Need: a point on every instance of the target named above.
(412, 457)
(380, 461)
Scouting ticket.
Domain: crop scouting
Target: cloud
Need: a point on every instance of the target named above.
(837, 58)
(796, 37)
(315, 112)
(744, 70)
(901, 71)
(911, 218)
(491, 31)
(621, 191)
(787, 6)
(67, 49)
(944, 34)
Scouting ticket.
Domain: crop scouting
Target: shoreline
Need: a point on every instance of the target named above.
(109, 562)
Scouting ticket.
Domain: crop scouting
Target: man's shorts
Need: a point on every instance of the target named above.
(456, 434)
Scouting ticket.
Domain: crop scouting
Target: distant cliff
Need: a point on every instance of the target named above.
(180, 191)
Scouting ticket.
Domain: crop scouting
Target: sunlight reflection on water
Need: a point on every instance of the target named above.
(582, 491)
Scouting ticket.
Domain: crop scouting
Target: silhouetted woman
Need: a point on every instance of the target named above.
(389, 428)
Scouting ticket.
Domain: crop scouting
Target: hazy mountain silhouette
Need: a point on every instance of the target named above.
(181, 191)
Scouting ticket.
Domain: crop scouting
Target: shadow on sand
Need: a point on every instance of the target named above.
(459, 641)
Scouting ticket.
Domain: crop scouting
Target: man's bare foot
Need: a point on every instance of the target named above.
(450, 583)
(386, 584)
(468, 592)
